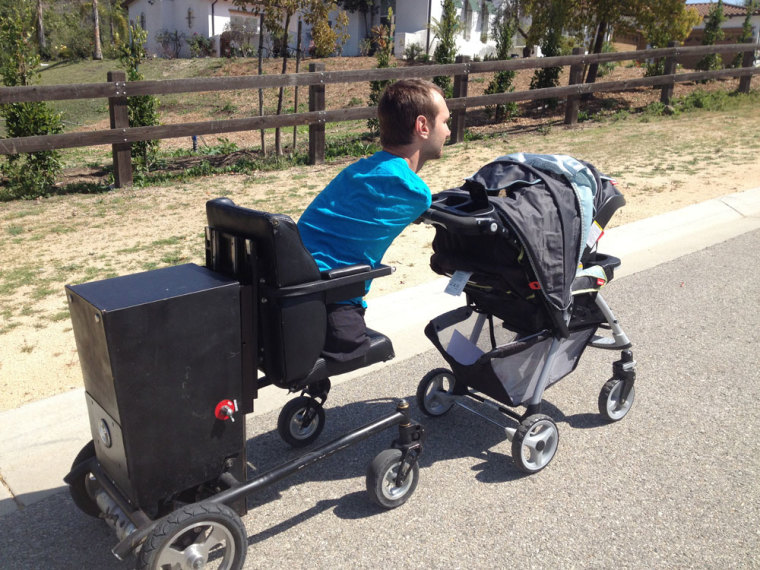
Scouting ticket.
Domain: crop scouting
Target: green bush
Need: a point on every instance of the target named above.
(201, 46)
(142, 109)
(29, 175)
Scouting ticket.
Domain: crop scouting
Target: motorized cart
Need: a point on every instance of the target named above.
(172, 361)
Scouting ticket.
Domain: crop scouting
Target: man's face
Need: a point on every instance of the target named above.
(439, 129)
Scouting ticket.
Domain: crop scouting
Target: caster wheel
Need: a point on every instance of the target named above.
(434, 392)
(82, 490)
(301, 421)
(381, 480)
(535, 443)
(611, 403)
(199, 535)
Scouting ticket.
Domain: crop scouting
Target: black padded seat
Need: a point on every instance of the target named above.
(286, 294)
(380, 350)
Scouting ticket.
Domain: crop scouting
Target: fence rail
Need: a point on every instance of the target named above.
(117, 89)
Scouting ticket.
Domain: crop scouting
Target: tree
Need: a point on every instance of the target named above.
(746, 35)
(97, 52)
(327, 39)
(366, 8)
(713, 34)
(665, 21)
(276, 17)
(553, 20)
(446, 50)
(504, 28)
(41, 41)
(142, 109)
(32, 174)
(382, 39)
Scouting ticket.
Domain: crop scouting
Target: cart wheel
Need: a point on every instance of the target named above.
(381, 480)
(82, 490)
(534, 443)
(291, 425)
(611, 405)
(199, 535)
(434, 392)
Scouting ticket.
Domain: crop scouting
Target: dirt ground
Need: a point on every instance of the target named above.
(660, 165)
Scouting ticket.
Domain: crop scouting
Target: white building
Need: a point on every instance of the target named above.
(182, 19)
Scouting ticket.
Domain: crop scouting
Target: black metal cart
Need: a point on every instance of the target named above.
(172, 361)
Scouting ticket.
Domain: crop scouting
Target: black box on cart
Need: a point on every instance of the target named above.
(160, 351)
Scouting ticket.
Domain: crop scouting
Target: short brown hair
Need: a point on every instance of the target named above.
(400, 105)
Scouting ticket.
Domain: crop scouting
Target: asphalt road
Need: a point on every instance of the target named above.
(673, 485)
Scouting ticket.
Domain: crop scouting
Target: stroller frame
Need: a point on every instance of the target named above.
(525, 375)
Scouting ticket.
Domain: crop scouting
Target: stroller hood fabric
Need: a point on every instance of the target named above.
(548, 202)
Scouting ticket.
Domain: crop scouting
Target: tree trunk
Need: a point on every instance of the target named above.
(41, 41)
(593, 69)
(97, 52)
(284, 47)
(110, 20)
(295, 94)
(261, 91)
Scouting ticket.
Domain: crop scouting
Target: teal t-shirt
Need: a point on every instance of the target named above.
(357, 216)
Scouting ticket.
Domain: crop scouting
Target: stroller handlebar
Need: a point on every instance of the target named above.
(458, 219)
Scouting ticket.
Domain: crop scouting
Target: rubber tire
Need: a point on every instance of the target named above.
(214, 518)
(288, 416)
(424, 393)
(381, 476)
(609, 400)
(548, 442)
(79, 489)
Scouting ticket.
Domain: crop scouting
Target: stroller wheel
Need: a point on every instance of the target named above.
(301, 421)
(535, 443)
(612, 406)
(434, 392)
(383, 486)
(199, 535)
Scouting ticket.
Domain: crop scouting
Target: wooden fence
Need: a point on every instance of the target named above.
(120, 135)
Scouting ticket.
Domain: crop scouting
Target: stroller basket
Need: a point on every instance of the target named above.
(498, 362)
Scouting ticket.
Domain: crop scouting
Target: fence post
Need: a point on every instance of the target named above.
(317, 130)
(119, 116)
(747, 60)
(573, 101)
(461, 84)
(670, 68)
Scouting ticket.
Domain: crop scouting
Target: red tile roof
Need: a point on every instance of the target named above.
(729, 10)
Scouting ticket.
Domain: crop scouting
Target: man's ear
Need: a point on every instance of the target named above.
(422, 126)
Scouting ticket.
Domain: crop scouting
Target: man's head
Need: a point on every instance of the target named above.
(414, 111)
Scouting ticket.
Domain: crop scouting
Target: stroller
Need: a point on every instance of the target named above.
(519, 238)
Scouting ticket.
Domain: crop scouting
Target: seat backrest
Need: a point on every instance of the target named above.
(283, 259)
(265, 250)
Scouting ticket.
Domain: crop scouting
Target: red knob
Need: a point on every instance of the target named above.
(225, 409)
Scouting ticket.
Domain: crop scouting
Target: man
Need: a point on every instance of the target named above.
(357, 216)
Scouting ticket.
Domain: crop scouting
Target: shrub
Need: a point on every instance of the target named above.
(170, 42)
(412, 52)
(142, 109)
(28, 175)
(200, 46)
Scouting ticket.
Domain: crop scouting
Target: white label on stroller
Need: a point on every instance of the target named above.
(594, 233)
(462, 350)
(457, 282)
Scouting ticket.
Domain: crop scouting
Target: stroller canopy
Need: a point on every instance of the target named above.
(548, 202)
